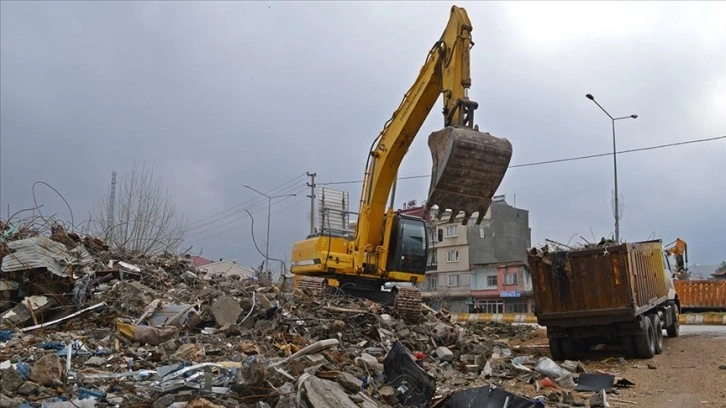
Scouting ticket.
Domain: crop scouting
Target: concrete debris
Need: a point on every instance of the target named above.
(599, 400)
(48, 370)
(322, 393)
(11, 381)
(444, 354)
(102, 328)
(226, 310)
(350, 382)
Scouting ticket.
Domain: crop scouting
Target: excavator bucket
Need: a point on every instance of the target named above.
(468, 167)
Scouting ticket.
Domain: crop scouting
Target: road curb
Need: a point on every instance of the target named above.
(686, 319)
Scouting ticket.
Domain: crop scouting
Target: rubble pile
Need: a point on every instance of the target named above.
(84, 326)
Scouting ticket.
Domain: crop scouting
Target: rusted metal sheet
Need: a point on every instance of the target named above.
(605, 282)
(702, 294)
(42, 252)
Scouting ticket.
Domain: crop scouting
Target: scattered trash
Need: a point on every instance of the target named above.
(411, 384)
(104, 328)
(488, 397)
(599, 400)
(595, 382)
(548, 383)
(6, 335)
(546, 366)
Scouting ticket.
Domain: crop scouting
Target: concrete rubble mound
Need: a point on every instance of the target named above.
(85, 326)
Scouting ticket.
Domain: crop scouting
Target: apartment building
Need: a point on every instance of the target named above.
(479, 267)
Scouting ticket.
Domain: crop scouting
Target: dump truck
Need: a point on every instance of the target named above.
(605, 293)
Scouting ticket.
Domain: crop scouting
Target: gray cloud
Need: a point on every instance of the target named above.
(216, 95)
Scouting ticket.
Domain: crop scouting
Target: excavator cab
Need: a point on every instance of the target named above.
(408, 246)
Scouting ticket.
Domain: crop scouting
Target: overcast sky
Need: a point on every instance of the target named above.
(217, 95)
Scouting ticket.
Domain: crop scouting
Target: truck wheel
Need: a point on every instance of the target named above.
(570, 349)
(626, 343)
(674, 329)
(645, 342)
(556, 349)
(658, 331)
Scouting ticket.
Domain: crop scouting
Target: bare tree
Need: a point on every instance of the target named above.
(145, 221)
(441, 296)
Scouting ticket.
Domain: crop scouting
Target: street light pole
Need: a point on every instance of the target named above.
(615, 164)
(267, 236)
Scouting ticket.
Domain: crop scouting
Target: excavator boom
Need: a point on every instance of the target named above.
(468, 166)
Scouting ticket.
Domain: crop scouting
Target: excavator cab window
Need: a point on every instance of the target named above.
(408, 245)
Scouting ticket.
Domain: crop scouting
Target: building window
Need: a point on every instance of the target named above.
(452, 256)
(492, 280)
(516, 306)
(454, 279)
(431, 282)
(510, 278)
(490, 306)
(434, 261)
(451, 231)
(483, 231)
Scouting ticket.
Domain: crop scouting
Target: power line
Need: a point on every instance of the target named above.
(241, 216)
(246, 220)
(239, 206)
(590, 156)
(640, 149)
(203, 222)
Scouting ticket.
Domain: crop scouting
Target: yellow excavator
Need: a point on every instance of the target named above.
(679, 250)
(468, 167)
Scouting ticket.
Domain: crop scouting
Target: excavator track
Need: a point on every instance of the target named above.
(315, 286)
(408, 303)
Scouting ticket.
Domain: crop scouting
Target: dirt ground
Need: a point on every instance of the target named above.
(685, 375)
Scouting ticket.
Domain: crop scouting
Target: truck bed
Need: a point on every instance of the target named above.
(599, 285)
(702, 294)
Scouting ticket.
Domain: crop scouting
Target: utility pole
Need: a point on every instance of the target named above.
(111, 206)
(615, 164)
(311, 184)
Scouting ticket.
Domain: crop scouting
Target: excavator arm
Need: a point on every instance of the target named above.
(679, 250)
(468, 165)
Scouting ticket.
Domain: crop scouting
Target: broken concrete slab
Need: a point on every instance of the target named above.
(369, 362)
(48, 370)
(11, 380)
(95, 361)
(350, 382)
(444, 354)
(226, 310)
(190, 352)
(327, 394)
